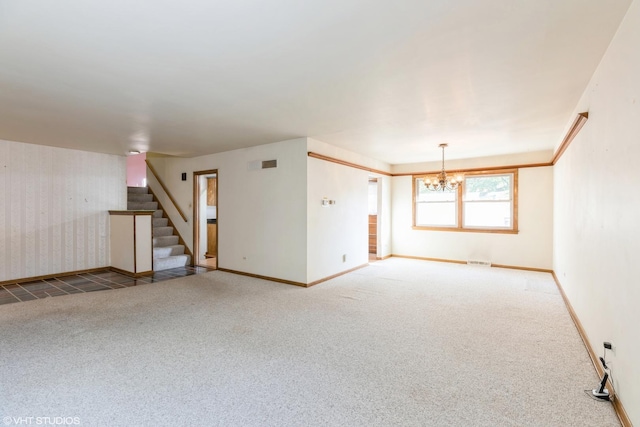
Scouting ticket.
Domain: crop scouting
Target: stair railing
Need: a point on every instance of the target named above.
(175, 204)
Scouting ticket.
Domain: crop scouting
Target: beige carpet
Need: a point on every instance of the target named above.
(401, 342)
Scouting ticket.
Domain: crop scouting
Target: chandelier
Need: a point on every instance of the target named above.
(442, 182)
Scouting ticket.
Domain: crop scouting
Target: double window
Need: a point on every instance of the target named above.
(485, 201)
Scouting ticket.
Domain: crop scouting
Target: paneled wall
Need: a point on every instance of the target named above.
(53, 208)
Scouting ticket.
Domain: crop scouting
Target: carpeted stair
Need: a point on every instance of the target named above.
(167, 250)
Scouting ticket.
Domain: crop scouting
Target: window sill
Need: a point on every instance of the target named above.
(467, 230)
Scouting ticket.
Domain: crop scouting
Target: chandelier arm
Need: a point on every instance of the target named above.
(441, 182)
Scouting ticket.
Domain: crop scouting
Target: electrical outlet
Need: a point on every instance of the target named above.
(344, 258)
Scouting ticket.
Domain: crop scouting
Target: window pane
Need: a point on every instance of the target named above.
(488, 202)
(487, 214)
(425, 195)
(435, 208)
(436, 214)
(492, 187)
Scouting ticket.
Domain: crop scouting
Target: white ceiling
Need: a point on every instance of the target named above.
(390, 80)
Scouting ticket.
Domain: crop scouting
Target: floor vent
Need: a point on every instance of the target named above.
(477, 262)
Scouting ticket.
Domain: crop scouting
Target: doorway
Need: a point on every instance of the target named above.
(373, 219)
(205, 218)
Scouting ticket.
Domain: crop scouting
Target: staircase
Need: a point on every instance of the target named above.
(167, 250)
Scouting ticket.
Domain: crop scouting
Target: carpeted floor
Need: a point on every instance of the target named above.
(401, 342)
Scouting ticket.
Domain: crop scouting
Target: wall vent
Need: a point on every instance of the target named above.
(478, 262)
(266, 164)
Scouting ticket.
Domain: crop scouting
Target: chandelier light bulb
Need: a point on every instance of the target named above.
(442, 182)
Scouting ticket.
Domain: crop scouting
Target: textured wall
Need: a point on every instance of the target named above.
(53, 208)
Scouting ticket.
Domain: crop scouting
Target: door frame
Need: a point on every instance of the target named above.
(374, 179)
(197, 209)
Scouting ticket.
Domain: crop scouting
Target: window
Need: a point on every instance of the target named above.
(486, 201)
(436, 208)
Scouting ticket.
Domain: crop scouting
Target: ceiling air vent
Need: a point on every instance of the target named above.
(266, 164)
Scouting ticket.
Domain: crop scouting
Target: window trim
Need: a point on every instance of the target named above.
(460, 205)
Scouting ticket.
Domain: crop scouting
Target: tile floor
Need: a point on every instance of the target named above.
(86, 282)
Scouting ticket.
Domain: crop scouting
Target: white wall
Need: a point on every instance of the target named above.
(506, 160)
(53, 208)
(270, 221)
(597, 232)
(329, 150)
(531, 247)
(345, 229)
(261, 213)
(336, 230)
(384, 216)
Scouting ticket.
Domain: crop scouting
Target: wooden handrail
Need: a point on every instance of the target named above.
(155, 174)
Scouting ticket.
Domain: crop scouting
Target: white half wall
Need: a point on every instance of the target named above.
(261, 220)
(531, 247)
(122, 238)
(597, 232)
(53, 208)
